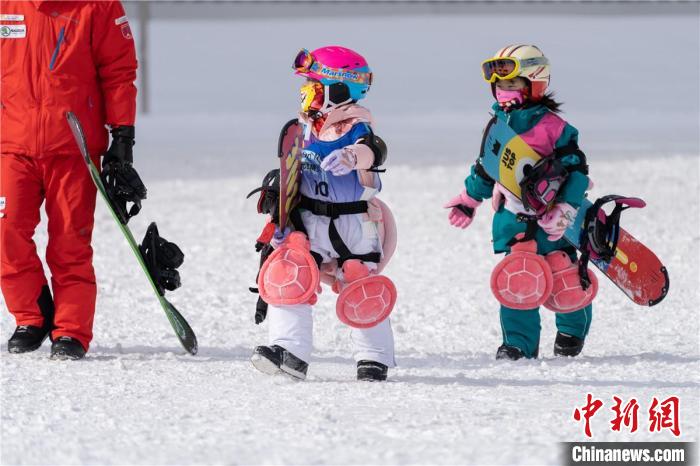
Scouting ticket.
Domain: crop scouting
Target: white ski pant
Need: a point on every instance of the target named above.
(291, 327)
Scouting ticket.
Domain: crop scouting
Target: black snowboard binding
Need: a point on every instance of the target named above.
(162, 258)
(567, 345)
(123, 185)
(268, 204)
(541, 183)
(602, 231)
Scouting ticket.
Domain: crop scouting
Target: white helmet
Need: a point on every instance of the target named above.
(520, 60)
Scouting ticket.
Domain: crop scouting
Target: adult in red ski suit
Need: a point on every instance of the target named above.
(56, 57)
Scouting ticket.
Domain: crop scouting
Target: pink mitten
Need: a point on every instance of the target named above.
(556, 220)
(462, 209)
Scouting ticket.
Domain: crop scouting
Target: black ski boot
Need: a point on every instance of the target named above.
(567, 345)
(509, 352)
(371, 371)
(513, 353)
(267, 359)
(273, 359)
(27, 338)
(64, 348)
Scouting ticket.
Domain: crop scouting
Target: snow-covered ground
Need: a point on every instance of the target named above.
(137, 399)
(221, 91)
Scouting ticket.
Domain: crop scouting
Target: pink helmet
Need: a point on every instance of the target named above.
(344, 72)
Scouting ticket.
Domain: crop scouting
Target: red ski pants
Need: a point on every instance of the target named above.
(63, 182)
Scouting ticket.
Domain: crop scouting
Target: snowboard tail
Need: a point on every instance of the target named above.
(637, 271)
(182, 329)
(630, 265)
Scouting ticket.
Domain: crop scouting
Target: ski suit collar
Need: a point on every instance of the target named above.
(341, 120)
(355, 112)
(42, 5)
(38, 4)
(521, 119)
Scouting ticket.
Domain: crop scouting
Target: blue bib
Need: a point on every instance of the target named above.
(319, 184)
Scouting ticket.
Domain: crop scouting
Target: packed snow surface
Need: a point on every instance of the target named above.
(138, 399)
(220, 93)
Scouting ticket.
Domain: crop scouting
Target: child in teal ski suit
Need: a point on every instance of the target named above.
(519, 75)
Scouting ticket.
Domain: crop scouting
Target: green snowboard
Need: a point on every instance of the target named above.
(182, 328)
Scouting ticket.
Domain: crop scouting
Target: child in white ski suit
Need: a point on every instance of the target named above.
(339, 225)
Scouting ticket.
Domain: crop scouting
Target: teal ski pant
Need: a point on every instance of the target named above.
(522, 328)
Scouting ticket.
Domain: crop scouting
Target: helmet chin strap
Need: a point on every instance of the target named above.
(328, 105)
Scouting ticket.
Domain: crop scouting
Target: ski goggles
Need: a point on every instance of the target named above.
(312, 96)
(305, 63)
(508, 67)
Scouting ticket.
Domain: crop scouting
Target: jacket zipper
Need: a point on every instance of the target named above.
(58, 47)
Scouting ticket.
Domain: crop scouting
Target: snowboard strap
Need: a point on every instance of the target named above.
(481, 171)
(478, 168)
(530, 230)
(268, 202)
(573, 149)
(265, 249)
(541, 184)
(601, 232)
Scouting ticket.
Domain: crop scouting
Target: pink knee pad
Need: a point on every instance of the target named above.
(290, 275)
(523, 279)
(567, 293)
(366, 300)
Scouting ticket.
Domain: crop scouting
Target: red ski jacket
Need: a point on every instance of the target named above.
(57, 56)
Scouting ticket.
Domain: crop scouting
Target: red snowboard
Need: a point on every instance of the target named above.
(637, 271)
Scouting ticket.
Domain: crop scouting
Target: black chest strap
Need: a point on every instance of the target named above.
(332, 209)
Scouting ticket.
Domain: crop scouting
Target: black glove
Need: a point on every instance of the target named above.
(121, 181)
